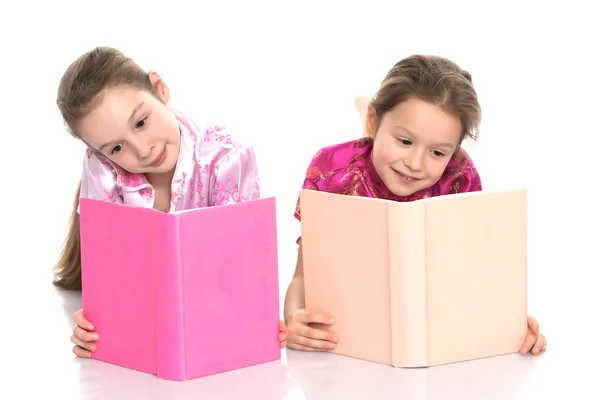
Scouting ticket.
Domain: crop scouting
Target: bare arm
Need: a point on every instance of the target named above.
(303, 335)
(294, 297)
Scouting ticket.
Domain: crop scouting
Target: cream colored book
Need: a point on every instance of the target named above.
(420, 283)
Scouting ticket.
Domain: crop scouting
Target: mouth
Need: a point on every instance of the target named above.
(161, 157)
(406, 178)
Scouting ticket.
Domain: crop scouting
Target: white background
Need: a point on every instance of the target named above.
(284, 76)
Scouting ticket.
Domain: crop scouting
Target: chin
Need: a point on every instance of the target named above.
(408, 190)
(404, 193)
(167, 166)
(162, 170)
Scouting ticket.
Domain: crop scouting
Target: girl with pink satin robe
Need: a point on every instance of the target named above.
(142, 152)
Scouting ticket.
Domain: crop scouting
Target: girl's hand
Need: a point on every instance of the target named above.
(302, 336)
(534, 340)
(83, 336)
(283, 334)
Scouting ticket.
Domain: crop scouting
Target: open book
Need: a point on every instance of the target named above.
(421, 283)
(181, 295)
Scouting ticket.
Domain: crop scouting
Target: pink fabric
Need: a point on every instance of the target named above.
(212, 169)
(347, 168)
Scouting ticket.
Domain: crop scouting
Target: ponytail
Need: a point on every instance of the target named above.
(67, 271)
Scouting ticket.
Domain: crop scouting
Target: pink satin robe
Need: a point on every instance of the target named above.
(212, 169)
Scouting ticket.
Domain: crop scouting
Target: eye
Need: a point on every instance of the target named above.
(116, 149)
(438, 153)
(141, 123)
(405, 142)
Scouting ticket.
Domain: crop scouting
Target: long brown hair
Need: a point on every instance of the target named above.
(436, 80)
(79, 92)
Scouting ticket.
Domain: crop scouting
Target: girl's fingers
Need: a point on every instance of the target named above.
(314, 318)
(81, 321)
(539, 345)
(283, 327)
(529, 341)
(282, 337)
(85, 335)
(81, 352)
(533, 325)
(319, 334)
(312, 343)
(84, 345)
(297, 346)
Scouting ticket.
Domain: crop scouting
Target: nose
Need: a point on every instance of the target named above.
(143, 148)
(414, 160)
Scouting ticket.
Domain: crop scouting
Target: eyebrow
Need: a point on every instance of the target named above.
(135, 110)
(450, 145)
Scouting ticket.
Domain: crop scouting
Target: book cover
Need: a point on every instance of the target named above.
(420, 283)
(185, 294)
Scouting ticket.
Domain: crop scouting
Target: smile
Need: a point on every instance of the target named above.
(405, 178)
(161, 157)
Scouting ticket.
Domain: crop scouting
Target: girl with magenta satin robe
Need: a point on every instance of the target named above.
(414, 127)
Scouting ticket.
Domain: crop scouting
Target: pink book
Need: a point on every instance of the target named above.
(422, 283)
(181, 295)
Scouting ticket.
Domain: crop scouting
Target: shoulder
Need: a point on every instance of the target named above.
(341, 154)
(223, 139)
(463, 164)
(212, 143)
(218, 145)
(461, 175)
(332, 168)
(228, 165)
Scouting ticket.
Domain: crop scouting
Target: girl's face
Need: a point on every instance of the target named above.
(413, 144)
(134, 129)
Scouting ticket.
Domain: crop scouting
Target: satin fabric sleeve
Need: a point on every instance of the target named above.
(98, 180)
(235, 177)
(466, 179)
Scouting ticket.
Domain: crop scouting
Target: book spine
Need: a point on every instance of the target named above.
(408, 283)
(170, 344)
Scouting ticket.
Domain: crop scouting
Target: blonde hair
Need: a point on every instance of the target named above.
(79, 92)
(67, 271)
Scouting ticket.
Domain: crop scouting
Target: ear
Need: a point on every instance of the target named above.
(371, 122)
(160, 86)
